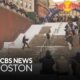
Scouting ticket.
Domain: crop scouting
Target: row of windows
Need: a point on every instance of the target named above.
(27, 5)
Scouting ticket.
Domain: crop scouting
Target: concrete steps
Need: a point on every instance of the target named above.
(38, 40)
(44, 30)
(58, 40)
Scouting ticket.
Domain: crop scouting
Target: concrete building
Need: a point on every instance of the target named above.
(27, 5)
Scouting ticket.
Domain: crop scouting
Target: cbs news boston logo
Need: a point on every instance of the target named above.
(16, 64)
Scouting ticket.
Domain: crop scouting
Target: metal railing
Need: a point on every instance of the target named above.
(44, 46)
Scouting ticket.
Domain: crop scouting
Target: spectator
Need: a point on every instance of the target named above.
(75, 64)
(69, 39)
(63, 66)
(47, 63)
(78, 23)
(70, 27)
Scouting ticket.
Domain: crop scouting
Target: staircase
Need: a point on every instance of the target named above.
(37, 39)
(58, 40)
(36, 33)
(11, 25)
(45, 29)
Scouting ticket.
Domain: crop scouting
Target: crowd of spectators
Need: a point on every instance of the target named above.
(13, 6)
(62, 66)
(59, 18)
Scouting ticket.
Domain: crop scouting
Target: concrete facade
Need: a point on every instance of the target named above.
(27, 5)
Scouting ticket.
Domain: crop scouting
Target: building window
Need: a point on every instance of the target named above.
(29, 4)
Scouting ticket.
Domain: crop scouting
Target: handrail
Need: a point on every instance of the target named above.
(43, 46)
(56, 30)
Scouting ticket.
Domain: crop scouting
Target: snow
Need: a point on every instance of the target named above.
(56, 29)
